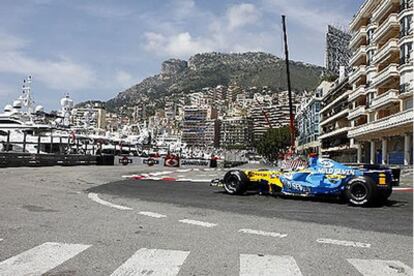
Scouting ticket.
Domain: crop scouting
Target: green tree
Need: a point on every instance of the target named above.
(274, 141)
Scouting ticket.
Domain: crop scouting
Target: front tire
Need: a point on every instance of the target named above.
(360, 191)
(235, 182)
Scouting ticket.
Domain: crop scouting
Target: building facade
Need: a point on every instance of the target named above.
(337, 52)
(381, 101)
(199, 126)
(334, 123)
(235, 132)
(308, 119)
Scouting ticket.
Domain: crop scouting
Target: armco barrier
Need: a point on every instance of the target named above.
(188, 163)
(17, 159)
(125, 160)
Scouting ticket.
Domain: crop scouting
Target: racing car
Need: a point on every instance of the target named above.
(323, 177)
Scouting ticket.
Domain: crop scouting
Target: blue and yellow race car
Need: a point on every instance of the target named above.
(323, 177)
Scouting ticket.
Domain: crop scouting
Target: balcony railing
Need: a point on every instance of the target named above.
(384, 28)
(357, 55)
(384, 51)
(360, 34)
(358, 111)
(401, 118)
(360, 90)
(390, 71)
(388, 97)
(382, 9)
(356, 73)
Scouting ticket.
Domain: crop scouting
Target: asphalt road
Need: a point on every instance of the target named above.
(395, 217)
(85, 221)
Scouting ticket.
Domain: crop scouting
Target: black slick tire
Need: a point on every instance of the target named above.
(360, 191)
(235, 182)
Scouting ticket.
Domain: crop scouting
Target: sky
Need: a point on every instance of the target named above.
(96, 49)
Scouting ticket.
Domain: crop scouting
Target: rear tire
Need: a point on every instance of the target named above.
(360, 191)
(235, 182)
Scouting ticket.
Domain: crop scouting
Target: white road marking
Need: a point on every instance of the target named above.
(154, 178)
(197, 222)
(344, 243)
(151, 214)
(200, 180)
(160, 173)
(184, 179)
(381, 267)
(40, 259)
(154, 262)
(183, 170)
(1, 239)
(402, 188)
(96, 198)
(268, 265)
(263, 233)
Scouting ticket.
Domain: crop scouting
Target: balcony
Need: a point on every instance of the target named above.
(359, 91)
(334, 117)
(357, 73)
(358, 111)
(389, 28)
(359, 37)
(334, 132)
(386, 51)
(391, 71)
(395, 120)
(384, 9)
(389, 97)
(359, 57)
(362, 14)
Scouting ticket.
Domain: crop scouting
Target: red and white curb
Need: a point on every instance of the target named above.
(402, 189)
(170, 179)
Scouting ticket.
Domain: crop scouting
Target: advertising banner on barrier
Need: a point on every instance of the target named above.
(185, 163)
(137, 161)
(152, 161)
(171, 161)
(127, 160)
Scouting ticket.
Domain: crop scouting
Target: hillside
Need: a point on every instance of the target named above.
(212, 69)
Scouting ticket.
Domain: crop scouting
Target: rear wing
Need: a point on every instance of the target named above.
(396, 171)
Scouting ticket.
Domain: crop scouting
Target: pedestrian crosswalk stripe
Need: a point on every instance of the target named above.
(344, 243)
(381, 267)
(154, 262)
(268, 265)
(40, 259)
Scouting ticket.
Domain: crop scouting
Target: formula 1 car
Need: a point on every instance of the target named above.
(323, 177)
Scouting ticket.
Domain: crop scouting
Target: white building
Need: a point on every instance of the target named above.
(381, 100)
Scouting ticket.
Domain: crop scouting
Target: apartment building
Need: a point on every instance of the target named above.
(381, 101)
(307, 118)
(199, 126)
(334, 124)
(90, 116)
(236, 131)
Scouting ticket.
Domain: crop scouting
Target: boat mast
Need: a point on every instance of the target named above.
(292, 118)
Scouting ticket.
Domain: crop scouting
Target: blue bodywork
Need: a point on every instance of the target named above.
(325, 177)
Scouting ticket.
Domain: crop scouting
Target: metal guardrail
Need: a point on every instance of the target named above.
(16, 159)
